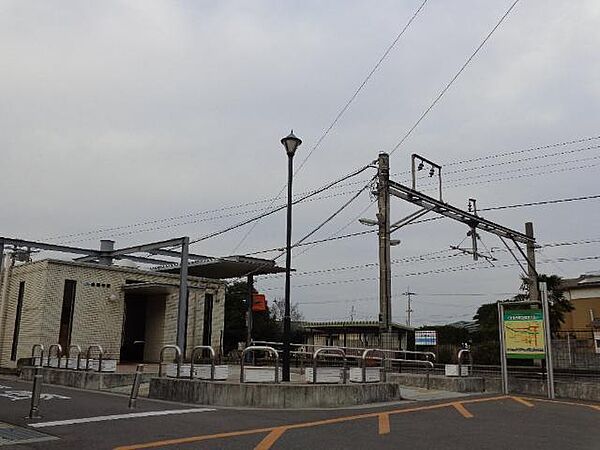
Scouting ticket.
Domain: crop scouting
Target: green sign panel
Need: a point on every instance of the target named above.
(524, 334)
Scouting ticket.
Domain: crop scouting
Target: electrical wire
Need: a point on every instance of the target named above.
(342, 111)
(453, 79)
(159, 221)
(254, 219)
(493, 208)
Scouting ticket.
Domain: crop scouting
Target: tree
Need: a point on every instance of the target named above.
(266, 325)
(235, 315)
(558, 303)
(487, 321)
(278, 310)
(296, 316)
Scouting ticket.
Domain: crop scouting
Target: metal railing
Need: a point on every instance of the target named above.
(100, 356)
(325, 350)
(430, 366)
(59, 351)
(177, 356)
(263, 348)
(198, 349)
(464, 351)
(428, 356)
(77, 363)
(364, 363)
(33, 357)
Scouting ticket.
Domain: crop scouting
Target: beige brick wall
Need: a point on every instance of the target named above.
(35, 278)
(98, 319)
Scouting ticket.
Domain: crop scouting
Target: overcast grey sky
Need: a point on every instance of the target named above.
(120, 112)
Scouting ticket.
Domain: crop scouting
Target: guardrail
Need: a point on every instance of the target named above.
(429, 356)
(177, 356)
(263, 348)
(199, 349)
(464, 351)
(78, 362)
(364, 363)
(430, 366)
(33, 357)
(59, 351)
(325, 350)
(100, 356)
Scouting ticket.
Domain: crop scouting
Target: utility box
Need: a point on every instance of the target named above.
(451, 370)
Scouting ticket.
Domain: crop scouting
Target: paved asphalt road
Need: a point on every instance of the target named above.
(493, 422)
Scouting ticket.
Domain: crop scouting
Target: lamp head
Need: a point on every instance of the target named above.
(291, 143)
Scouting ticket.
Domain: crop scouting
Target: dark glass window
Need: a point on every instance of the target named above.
(15, 342)
(66, 315)
(208, 312)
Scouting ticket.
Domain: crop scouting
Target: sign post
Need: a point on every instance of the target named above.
(548, 340)
(525, 334)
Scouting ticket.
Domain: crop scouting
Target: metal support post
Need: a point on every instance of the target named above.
(36, 391)
(503, 364)
(534, 293)
(1, 257)
(249, 310)
(383, 216)
(288, 264)
(183, 295)
(135, 389)
(547, 338)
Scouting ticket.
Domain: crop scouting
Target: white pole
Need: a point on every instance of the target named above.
(503, 366)
(547, 338)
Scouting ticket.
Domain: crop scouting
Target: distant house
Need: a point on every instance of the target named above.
(584, 293)
(361, 334)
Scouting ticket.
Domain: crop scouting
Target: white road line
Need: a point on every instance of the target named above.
(168, 412)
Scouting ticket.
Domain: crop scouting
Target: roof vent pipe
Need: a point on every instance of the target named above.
(106, 245)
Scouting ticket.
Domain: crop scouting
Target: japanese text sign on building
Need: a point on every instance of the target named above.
(524, 334)
(425, 337)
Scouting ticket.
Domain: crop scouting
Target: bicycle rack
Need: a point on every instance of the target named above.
(100, 356)
(59, 350)
(177, 356)
(263, 348)
(364, 363)
(331, 350)
(198, 349)
(430, 366)
(464, 351)
(33, 357)
(78, 363)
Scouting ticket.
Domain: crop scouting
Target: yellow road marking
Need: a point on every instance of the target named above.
(523, 402)
(384, 423)
(562, 402)
(270, 439)
(461, 409)
(187, 440)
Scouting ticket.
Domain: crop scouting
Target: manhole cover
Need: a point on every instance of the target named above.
(11, 434)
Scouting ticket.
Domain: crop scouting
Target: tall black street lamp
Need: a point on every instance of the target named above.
(291, 143)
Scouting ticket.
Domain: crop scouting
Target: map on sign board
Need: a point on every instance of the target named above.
(425, 337)
(524, 334)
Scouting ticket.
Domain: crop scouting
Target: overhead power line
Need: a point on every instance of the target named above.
(453, 79)
(493, 208)
(254, 219)
(342, 111)
(464, 267)
(218, 213)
